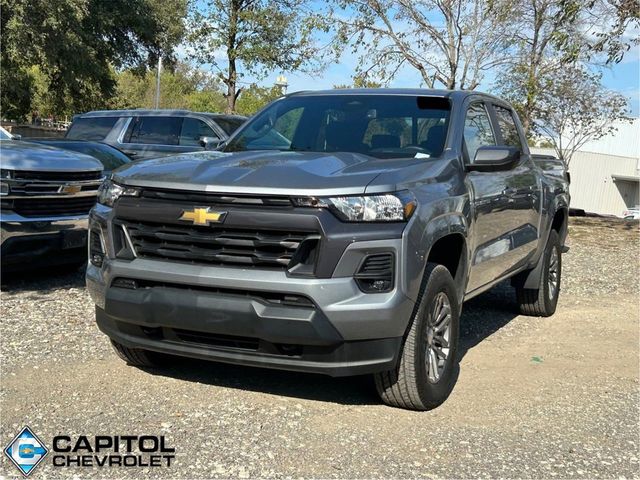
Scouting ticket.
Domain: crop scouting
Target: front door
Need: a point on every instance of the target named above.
(504, 232)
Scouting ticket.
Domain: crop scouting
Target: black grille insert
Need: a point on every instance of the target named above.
(375, 274)
(210, 245)
(56, 176)
(38, 207)
(216, 340)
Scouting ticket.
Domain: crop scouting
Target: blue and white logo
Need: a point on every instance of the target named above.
(26, 451)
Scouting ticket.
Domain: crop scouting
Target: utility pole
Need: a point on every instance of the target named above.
(158, 82)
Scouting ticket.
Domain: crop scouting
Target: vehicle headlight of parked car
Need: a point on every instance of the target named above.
(390, 207)
(110, 191)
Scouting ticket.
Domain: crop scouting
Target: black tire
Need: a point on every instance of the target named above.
(409, 385)
(138, 357)
(542, 301)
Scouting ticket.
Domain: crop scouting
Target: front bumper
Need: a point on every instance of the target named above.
(252, 316)
(41, 240)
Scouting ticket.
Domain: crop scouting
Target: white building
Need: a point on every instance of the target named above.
(605, 173)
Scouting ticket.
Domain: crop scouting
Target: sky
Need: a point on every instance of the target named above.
(623, 77)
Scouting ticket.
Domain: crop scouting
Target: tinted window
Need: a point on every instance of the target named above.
(91, 128)
(508, 127)
(229, 125)
(477, 129)
(155, 130)
(384, 126)
(194, 129)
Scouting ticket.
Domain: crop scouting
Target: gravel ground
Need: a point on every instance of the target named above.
(556, 397)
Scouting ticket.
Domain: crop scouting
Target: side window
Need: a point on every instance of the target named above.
(477, 129)
(193, 130)
(91, 128)
(508, 129)
(155, 130)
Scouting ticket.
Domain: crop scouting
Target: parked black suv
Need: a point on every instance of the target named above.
(154, 133)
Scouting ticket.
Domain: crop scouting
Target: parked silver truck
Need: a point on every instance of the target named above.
(337, 232)
(45, 194)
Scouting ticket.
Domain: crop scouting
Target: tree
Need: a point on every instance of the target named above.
(76, 44)
(360, 82)
(448, 42)
(574, 108)
(180, 87)
(623, 31)
(552, 36)
(252, 37)
(256, 97)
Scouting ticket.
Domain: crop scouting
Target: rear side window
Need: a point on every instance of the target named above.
(193, 130)
(91, 128)
(477, 129)
(508, 127)
(154, 130)
(229, 125)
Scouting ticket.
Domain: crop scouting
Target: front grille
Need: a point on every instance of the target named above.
(55, 176)
(214, 246)
(39, 207)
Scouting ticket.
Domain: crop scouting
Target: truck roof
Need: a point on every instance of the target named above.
(429, 92)
(161, 112)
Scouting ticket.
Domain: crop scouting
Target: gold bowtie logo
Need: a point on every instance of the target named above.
(202, 216)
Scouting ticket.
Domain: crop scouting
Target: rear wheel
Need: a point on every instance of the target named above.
(138, 357)
(428, 364)
(542, 301)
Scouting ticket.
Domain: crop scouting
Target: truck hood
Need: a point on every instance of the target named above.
(263, 172)
(19, 155)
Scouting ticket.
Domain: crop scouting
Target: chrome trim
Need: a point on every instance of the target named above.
(95, 181)
(26, 196)
(128, 238)
(14, 225)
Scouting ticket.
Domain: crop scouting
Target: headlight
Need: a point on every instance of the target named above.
(390, 207)
(109, 192)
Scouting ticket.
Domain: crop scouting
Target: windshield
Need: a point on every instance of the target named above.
(4, 135)
(383, 126)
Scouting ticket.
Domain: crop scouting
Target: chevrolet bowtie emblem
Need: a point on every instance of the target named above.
(202, 216)
(70, 189)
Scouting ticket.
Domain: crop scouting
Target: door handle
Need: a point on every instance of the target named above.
(510, 191)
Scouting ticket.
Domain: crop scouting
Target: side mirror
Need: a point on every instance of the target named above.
(492, 158)
(209, 143)
(15, 136)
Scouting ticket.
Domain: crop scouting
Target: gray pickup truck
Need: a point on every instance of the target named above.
(337, 232)
(45, 197)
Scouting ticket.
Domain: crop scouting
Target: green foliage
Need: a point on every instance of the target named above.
(76, 44)
(181, 87)
(254, 98)
(360, 82)
(252, 37)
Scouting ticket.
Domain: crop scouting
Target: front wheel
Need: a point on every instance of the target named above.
(428, 365)
(542, 301)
